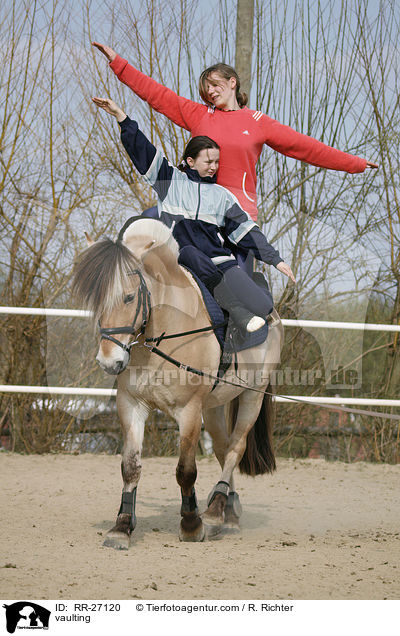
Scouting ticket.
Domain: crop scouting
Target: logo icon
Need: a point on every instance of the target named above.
(26, 615)
(245, 132)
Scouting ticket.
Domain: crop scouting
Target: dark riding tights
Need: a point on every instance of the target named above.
(247, 292)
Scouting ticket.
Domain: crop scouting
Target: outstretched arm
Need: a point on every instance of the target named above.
(146, 159)
(107, 51)
(183, 112)
(293, 144)
(110, 107)
(286, 269)
(241, 230)
(255, 241)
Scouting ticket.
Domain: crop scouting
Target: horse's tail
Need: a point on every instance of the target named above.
(259, 457)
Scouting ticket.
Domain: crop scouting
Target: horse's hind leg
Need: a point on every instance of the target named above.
(133, 417)
(233, 511)
(224, 508)
(191, 526)
(223, 505)
(214, 517)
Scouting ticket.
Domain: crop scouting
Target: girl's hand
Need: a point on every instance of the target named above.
(371, 165)
(285, 269)
(110, 107)
(106, 50)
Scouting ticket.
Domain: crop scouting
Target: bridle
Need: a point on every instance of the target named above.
(143, 306)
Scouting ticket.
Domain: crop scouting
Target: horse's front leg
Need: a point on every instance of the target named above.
(189, 420)
(133, 417)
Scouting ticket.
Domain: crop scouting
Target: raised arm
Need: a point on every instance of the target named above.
(148, 161)
(110, 107)
(293, 144)
(183, 112)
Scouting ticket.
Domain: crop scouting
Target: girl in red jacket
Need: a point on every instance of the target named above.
(239, 131)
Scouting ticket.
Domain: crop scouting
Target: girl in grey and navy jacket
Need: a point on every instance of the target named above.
(206, 220)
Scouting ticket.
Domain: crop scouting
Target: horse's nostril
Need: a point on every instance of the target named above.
(113, 369)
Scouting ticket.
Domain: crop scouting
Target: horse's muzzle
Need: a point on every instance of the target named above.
(113, 367)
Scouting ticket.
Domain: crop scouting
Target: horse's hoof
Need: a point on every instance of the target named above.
(212, 530)
(213, 524)
(196, 534)
(117, 540)
(231, 527)
(231, 522)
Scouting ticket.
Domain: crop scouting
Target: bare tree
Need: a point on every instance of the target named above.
(377, 53)
(332, 72)
(244, 42)
(48, 179)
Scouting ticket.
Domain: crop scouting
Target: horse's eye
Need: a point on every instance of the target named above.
(129, 298)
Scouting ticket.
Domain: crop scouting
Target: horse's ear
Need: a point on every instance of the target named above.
(89, 240)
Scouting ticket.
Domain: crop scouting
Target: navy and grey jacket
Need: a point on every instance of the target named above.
(200, 212)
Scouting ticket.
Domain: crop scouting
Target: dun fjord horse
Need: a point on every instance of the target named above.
(137, 291)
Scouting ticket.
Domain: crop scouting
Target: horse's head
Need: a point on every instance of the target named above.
(120, 329)
(115, 279)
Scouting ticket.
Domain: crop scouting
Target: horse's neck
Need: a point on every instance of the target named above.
(177, 304)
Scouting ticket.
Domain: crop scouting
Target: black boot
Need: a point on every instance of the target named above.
(244, 319)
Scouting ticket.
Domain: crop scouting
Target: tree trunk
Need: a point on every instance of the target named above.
(244, 43)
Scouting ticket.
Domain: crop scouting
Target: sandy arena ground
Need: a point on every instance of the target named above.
(314, 530)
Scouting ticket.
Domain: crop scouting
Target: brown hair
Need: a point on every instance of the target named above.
(226, 72)
(194, 147)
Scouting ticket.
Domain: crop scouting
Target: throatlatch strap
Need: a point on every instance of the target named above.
(189, 502)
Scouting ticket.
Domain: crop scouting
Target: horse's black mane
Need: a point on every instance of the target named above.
(100, 275)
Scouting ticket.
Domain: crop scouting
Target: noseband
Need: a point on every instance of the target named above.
(143, 305)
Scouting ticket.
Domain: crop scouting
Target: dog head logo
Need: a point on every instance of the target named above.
(26, 615)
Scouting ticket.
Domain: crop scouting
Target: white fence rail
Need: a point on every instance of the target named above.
(43, 311)
(100, 392)
(317, 324)
(59, 390)
(325, 324)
